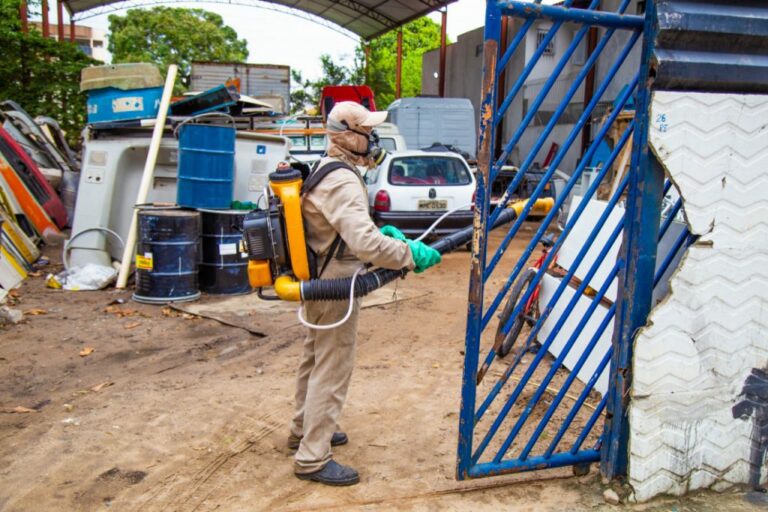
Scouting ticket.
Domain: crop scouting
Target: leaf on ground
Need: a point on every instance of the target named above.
(36, 312)
(99, 387)
(86, 351)
(189, 316)
(168, 311)
(18, 410)
(132, 325)
(34, 274)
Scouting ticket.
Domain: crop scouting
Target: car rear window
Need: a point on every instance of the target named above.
(428, 171)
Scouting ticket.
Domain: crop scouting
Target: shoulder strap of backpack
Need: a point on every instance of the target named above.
(316, 176)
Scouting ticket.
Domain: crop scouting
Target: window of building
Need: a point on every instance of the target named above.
(540, 36)
(98, 43)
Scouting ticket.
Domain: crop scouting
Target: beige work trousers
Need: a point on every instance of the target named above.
(324, 375)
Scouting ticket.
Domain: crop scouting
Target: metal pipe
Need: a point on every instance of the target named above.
(501, 84)
(589, 88)
(583, 16)
(399, 64)
(60, 20)
(46, 25)
(515, 466)
(441, 72)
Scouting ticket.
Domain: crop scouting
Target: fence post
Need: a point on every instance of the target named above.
(482, 203)
(638, 252)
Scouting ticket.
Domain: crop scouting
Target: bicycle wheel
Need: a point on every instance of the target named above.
(518, 290)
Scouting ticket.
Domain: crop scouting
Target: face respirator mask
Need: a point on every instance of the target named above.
(375, 152)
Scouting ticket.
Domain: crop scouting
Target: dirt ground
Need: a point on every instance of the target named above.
(175, 412)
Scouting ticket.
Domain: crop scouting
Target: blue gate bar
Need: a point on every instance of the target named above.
(584, 393)
(523, 418)
(585, 116)
(601, 367)
(682, 238)
(588, 427)
(534, 107)
(513, 466)
(547, 220)
(544, 346)
(534, 60)
(556, 117)
(571, 377)
(545, 313)
(519, 38)
(672, 213)
(639, 252)
(557, 13)
(575, 216)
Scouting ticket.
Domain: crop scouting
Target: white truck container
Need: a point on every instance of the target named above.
(425, 121)
(267, 82)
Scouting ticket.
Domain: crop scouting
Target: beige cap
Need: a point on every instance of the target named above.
(355, 115)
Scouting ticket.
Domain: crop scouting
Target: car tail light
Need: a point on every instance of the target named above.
(474, 196)
(382, 203)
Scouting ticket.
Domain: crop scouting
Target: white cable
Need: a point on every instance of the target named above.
(346, 317)
(441, 219)
(299, 312)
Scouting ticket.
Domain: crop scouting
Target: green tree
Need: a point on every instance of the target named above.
(168, 35)
(419, 36)
(42, 75)
(306, 93)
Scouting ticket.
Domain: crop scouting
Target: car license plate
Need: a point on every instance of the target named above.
(433, 204)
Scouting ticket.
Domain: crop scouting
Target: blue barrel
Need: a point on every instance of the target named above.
(224, 267)
(167, 255)
(206, 166)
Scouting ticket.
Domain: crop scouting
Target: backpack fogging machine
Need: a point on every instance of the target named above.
(278, 254)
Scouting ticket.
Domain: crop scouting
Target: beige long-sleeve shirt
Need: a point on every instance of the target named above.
(339, 204)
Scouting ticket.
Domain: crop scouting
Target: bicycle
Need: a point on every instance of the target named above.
(530, 313)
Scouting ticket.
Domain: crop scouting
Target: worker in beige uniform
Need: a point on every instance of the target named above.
(340, 231)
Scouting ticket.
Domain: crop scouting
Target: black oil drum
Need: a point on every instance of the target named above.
(167, 255)
(224, 268)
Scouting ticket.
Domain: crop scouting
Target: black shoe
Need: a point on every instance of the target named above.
(337, 439)
(332, 474)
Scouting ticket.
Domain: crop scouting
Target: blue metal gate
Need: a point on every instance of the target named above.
(528, 411)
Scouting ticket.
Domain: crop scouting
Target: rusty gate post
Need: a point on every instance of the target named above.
(71, 30)
(399, 65)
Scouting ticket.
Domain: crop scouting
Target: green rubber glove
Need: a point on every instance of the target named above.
(423, 255)
(393, 232)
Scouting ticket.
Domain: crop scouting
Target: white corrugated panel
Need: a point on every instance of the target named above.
(704, 340)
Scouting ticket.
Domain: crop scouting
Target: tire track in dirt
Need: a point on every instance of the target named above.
(189, 493)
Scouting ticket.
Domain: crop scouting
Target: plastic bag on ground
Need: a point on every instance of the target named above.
(88, 277)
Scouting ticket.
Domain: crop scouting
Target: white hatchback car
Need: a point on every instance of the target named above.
(412, 189)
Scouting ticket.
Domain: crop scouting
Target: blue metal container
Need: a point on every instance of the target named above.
(112, 104)
(206, 166)
(167, 255)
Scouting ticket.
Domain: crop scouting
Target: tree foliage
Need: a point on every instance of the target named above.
(419, 36)
(168, 35)
(306, 93)
(42, 75)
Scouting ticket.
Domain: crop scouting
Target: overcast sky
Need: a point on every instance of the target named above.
(280, 38)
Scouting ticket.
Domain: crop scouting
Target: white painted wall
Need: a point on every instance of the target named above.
(702, 342)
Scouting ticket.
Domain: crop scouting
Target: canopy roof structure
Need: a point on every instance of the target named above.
(365, 18)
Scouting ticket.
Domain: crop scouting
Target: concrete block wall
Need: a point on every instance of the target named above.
(692, 426)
